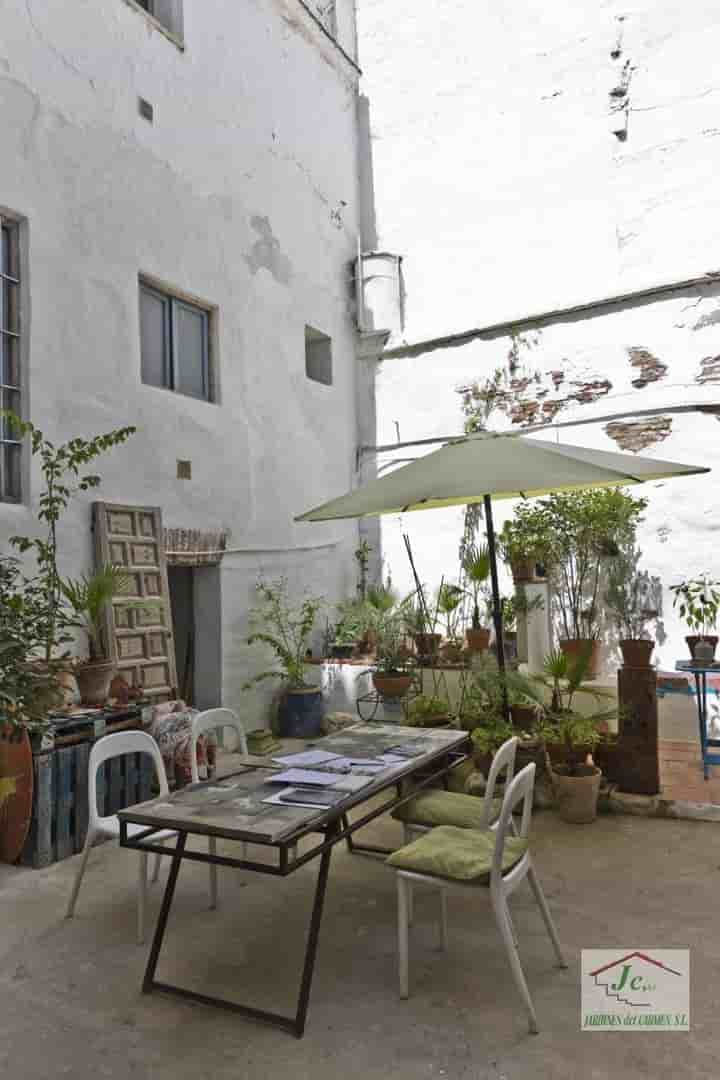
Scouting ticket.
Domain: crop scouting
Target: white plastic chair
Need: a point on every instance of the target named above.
(213, 720)
(501, 884)
(502, 762)
(123, 742)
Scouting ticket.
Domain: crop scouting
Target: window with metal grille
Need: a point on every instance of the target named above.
(175, 343)
(10, 445)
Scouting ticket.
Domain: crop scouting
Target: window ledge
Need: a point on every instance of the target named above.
(155, 24)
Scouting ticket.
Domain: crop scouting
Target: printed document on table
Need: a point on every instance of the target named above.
(302, 776)
(291, 797)
(305, 758)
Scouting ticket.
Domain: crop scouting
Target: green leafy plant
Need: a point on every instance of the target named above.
(529, 536)
(448, 603)
(491, 734)
(62, 468)
(286, 629)
(587, 528)
(88, 597)
(28, 690)
(564, 677)
(633, 596)
(426, 711)
(362, 558)
(491, 691)
(698, 602)
(391, 653)
(476, 565)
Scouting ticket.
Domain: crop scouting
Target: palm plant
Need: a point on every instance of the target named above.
(476, 564)
(448, 602)
(88, 597)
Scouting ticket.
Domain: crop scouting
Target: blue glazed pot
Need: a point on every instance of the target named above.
(300, 714)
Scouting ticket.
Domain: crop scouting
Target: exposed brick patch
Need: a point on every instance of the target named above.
(558, 377)
(591, 391)
(651, 369)
(638, 435)
(709, 370)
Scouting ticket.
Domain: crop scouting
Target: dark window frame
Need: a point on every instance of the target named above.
(11, 358)
(172, 303)
(318, 356)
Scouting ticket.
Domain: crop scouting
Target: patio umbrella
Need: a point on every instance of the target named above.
(484, 467)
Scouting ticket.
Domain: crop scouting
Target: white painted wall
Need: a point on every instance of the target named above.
(499, 179)
(242, 193)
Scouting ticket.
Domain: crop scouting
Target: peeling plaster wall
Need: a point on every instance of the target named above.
(528, 158)
(498, 174)
(570, 369)
(243, 192)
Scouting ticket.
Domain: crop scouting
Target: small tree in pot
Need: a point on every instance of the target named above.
(634, 598)
(392, 673)
(698, 603)
(287, 629)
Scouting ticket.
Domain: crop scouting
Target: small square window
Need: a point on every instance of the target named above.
(318, 356)
(175, 343)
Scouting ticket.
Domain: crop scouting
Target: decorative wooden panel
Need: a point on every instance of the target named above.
(140, 640)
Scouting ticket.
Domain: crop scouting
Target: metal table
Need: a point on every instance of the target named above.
(701, 672)
(232, 809)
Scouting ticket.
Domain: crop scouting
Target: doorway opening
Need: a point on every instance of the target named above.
(196, 614)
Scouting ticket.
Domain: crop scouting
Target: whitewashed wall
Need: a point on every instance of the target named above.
(243, 193)
(499, 178)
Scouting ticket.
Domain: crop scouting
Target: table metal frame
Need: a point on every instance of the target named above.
(333, 826)
(707, 744)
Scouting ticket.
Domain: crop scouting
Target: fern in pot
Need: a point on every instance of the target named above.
(286, 629)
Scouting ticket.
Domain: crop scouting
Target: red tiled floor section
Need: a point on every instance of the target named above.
(681, 773)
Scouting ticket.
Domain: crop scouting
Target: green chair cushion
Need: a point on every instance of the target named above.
(436, 807)
(457, 854)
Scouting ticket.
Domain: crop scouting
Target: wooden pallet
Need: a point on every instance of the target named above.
(60, 803)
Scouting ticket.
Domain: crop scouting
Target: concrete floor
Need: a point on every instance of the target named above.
(71, 1006)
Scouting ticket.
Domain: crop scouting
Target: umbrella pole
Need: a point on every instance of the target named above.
(497, 601)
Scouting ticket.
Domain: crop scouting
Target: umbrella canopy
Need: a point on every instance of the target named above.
(501, 466)
(483, 467)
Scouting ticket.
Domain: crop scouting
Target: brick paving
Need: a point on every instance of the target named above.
(681, 773)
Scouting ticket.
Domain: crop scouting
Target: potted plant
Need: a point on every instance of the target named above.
(587, 529)
(287, 629)
(476, 564)
(448, 603)
(526, 542)
(698, 603)
(635, 600)
(428, 711)
(350, 632)
(88, 597)
(392, 672)
(421, 624)
(571, 736)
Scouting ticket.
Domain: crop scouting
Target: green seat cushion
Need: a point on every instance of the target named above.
(457, 854)
(436, 807)
(457, 777)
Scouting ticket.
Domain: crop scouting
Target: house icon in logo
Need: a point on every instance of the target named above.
(634, 979)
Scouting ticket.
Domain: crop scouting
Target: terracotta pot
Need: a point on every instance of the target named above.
(478, 640)
(523, 571)
(94, 682)
(576, 647)
(391, 686)
(695, 639)
(577, 796)
(636, 652)
(522, 716)
(452, 652)
(427, 645)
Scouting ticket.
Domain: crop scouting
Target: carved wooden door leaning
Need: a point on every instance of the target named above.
(140, 640)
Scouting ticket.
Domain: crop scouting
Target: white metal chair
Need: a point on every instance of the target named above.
(213, 720)
(123, 742)
(437, 807)
(503, 861)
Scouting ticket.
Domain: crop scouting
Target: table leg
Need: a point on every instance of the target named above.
(701, 689)
(164, 912)
(295, 1024)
